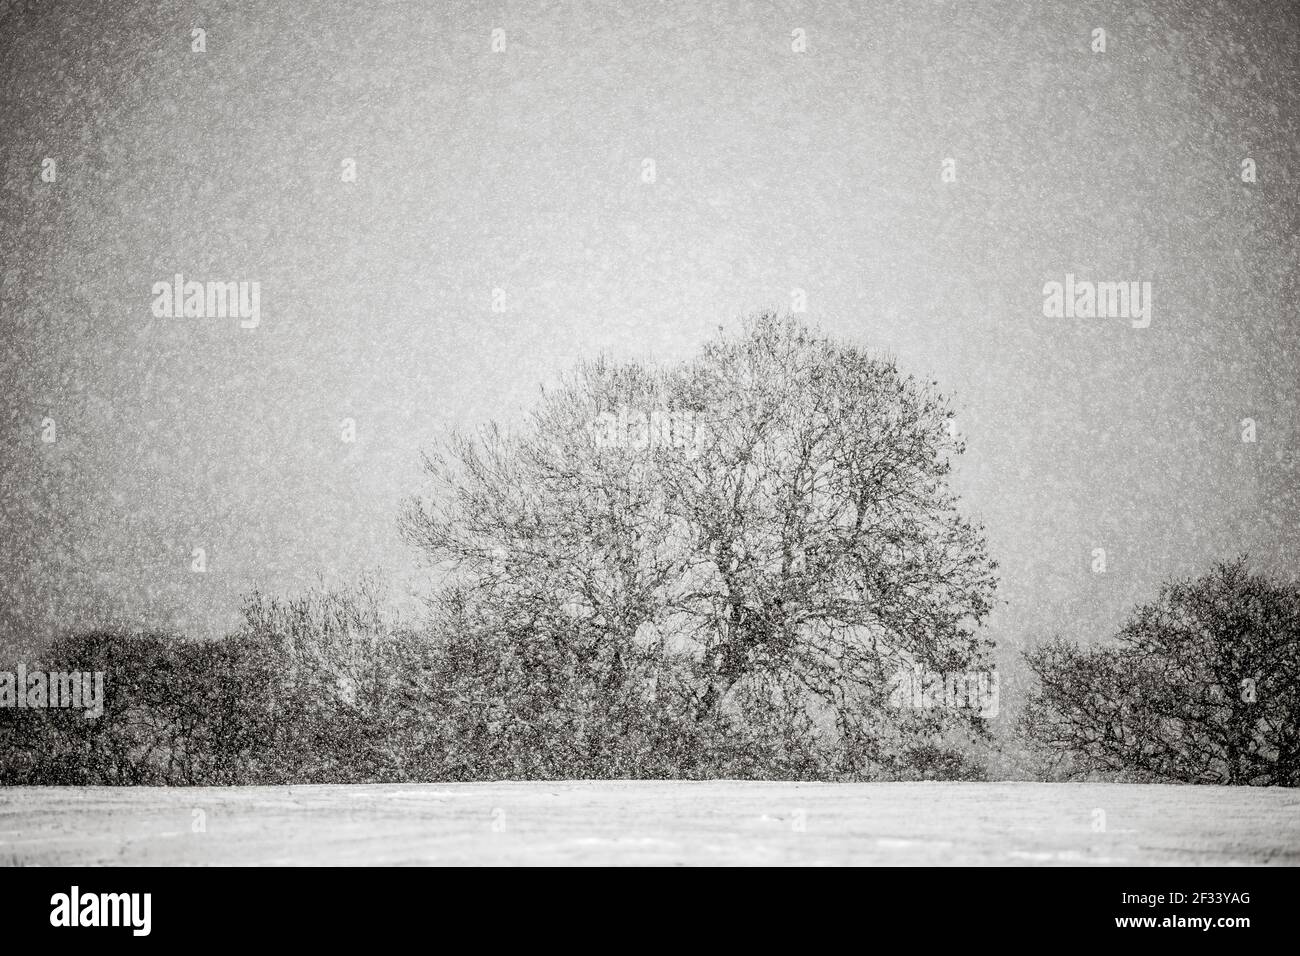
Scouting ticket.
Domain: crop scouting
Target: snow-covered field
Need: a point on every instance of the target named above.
(653, 823)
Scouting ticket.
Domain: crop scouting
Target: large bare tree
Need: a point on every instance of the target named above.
(773, 512)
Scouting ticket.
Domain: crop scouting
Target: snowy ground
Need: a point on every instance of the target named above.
(653, 823)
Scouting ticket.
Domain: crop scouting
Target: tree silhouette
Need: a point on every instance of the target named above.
(1202, 685)
(770, 518)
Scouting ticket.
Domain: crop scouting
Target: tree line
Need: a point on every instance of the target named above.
(611, 601)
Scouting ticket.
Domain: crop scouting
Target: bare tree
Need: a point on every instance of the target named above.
(1202, 685)
(774, 513)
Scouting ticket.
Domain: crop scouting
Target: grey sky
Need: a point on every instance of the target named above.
(522, 170)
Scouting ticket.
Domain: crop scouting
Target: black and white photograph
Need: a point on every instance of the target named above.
(651, 433)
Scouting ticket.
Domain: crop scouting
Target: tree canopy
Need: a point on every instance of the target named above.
(1201, 685)
(769, 522)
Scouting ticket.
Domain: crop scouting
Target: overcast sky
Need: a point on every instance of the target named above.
(522, 170)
